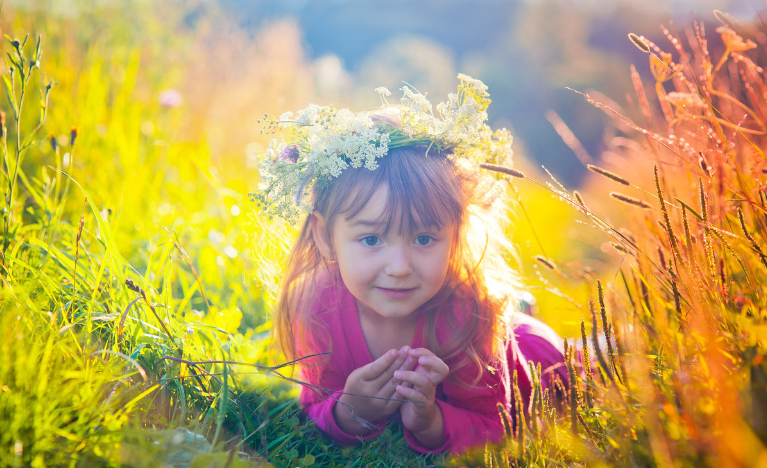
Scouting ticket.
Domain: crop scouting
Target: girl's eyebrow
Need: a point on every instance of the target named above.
(364, 222)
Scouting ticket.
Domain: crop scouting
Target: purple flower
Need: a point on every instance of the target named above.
(170, 98)
(290, 153)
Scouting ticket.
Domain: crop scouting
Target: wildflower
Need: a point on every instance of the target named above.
(170, 98)
(319, 143)
(733, 41)
(290, 153)
(685, 100)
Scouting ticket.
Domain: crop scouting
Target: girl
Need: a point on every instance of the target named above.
(396, 286)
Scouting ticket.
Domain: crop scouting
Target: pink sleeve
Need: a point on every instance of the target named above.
(470, 414)
(327, 378)
(318, 408)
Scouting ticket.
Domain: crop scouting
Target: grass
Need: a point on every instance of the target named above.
(135, 292)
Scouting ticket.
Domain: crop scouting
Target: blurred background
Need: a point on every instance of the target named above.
(167, 95)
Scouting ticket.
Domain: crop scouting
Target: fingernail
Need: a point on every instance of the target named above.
(397, 374)
(392, 353)
(407, 349)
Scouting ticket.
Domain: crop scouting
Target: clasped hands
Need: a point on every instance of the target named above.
(408, 374)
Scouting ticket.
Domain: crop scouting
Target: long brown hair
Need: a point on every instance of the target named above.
(427, 186)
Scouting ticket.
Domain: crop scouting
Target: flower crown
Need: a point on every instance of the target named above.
(323, 141)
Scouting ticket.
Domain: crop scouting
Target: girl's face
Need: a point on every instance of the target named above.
(391, 273)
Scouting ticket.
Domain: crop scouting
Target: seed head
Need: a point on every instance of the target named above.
(608, 174)
(72, 136)
(725, 18)
(579, 198)
(640, 43)
(630, 200)
(54, 143)
(618, 247)
(133, 286)
(703, 164)
(628, 235)
(546, 262)
(503, 170)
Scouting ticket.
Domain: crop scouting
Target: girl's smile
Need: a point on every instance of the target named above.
(399, 293)
(392, 273)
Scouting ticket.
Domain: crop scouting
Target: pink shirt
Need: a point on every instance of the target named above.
(469, 414)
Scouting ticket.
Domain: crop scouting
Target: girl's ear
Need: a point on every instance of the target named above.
(319, 235)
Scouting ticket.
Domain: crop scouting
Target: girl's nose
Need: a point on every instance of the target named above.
(399, 263)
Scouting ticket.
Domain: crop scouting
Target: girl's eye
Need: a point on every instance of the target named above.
(423, 239)
(371, 241)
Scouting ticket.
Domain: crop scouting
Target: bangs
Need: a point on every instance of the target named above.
(423, 191)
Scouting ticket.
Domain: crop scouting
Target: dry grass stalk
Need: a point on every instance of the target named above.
(687, 236)
(643, 104)
(579, 198)
(606, 329)
(568, 137)
(667, 220)
(619, 247)
(675, 291)
(639, 43)
(586, 367)
(574, 399)
(630, 200)
(753, 242)
(706, 230)
(610, 175)
(704, 165)
(520, 413)
(546, 262)
(77, 256)
(503, 170)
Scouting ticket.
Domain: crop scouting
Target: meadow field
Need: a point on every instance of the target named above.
(137, 274)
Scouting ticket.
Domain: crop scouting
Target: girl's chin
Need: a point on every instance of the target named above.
(389, 310)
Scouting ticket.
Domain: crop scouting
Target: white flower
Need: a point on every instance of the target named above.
(309, 115)
(472, 83)
(324, 141)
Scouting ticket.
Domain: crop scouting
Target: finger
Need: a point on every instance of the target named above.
(382, 379)
(436, 368)
(411, 394)
(374, 370)
(402, 356)
(408, 365)
(418, 380)
(418, 352)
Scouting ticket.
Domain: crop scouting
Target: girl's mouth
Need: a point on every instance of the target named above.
(399, 293)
